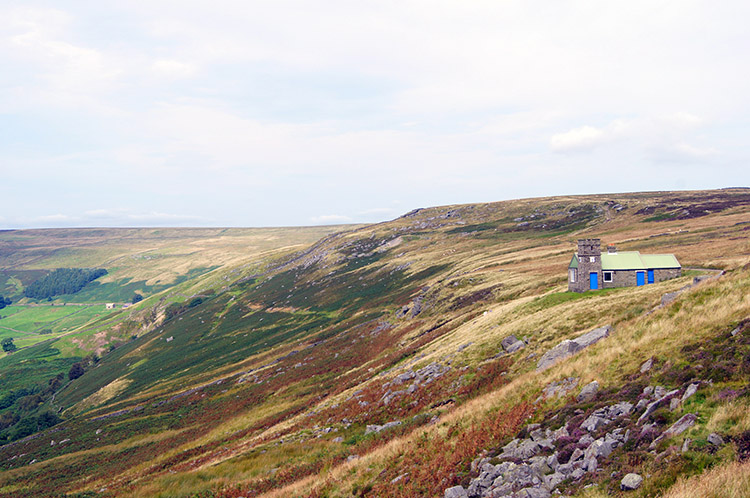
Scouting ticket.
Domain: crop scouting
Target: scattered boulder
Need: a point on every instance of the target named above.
(647, 365)
(374, 428)
(715, 439)
(692, 389)
(685, 422)
(588, 392)
(568, 348)
(630, 482)
(511, 344)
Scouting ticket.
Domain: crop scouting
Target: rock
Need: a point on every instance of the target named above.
(648, 390)
(456, 492)
(511, 344)
(404, 377)
(600, 448)
(589, 464)
(674, 403)
(593, 423)
(552, 480)
(692, 389)
(686, 445)
(646, 366)
(464, 346)
(588, 392)
(659, 392)
(532, 493)
(685, 422)
(568, 348)
(378, 428)
(651, 408)
(560, 388)
(631, 482)
(577, 474)
(338, 439)
(715, 439)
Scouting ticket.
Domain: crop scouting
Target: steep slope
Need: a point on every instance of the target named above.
(372, 363)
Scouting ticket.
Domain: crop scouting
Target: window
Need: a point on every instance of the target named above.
(607, 276)
(572, 273)
(592, 259)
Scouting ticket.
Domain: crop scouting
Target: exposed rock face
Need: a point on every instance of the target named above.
(631, 482)
(568, 348)
(559, 388)
(378, 428)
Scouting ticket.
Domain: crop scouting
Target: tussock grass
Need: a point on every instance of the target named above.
(726, 481)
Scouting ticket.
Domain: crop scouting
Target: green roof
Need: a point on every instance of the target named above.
(573, 262)
(633, 260)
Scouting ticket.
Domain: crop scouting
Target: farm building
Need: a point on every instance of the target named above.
(589, 269)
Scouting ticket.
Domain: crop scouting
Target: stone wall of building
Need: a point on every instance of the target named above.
(587, 249)
(666, 274)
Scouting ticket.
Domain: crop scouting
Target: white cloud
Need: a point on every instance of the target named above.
(173, 69)
(578, 139)
(330, 219)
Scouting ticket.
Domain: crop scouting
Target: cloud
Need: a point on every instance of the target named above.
(173, 69)
(576, 140)
(330, 219)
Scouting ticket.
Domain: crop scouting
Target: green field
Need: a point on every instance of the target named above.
(26, 324)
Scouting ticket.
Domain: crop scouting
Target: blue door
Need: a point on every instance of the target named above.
(593, 280)
(640, 278)
(651, 276)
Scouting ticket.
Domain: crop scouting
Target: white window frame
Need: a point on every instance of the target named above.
(592, 259)
(611, 276)
(572, 275)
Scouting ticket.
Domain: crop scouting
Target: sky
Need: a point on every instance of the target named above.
(288, 113)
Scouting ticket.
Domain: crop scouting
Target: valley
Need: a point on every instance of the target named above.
(395, 359)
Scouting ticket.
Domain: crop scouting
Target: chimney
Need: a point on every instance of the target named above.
(611, 249)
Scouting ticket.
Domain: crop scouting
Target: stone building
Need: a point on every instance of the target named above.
(589, 269)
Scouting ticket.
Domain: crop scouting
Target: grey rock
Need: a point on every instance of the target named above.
(589, 464)
(586, 440)
(651, 407)
(404, 377)
(646, 366)
(685, 422)
(659, 392)
(553, 480)
(456, 492)
(338, 439)
(577, 474)
(527, 449)
(593, 423)
(378, 428)
(686, 445)
(618, 410)
(464, 346)
(511, 344)
(648, 390)
(561, 432)
(588, 392)
(502, 491)
(600, 448)
(641, 405)
(576, 455)
(691, 389)
(532, 493)
(715, 439)
(559, 388)
(568, 348)
(674, 403)
(631, 482)
(552, 461)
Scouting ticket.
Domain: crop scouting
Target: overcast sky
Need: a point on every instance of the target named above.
(265, 113)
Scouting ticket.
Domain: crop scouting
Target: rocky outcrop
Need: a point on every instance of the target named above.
(536, 462)
(568, 348)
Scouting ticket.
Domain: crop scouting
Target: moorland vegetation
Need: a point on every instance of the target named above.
(402, 359)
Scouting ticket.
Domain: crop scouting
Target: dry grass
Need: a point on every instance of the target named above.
(731, 418)
(727, 481)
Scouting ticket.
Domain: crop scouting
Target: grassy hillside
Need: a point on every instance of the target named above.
(370, 363)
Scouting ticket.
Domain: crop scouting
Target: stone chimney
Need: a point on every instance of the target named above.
(611, 249)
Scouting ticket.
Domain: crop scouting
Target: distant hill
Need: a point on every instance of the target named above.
(403, 359)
